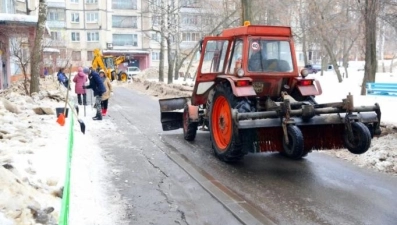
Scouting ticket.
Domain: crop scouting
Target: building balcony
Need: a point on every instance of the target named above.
(56, 24)
(51, 4)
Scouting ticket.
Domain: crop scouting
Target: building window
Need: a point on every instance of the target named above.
(55, 15)
(155, 5)
(124, 4)
(207, 20)
(124, 22)
(191, 36)
(55, 35)
(74, 1)
(92, 17)
(156, 20)
(90, 55)
(156, 37)
(125, 40)
(188, 3)
(91, 1)
(75, 36)
(92, 36)
(189, 19)
(75, 17)
(76, 55)
(8, 6)
(155, 56)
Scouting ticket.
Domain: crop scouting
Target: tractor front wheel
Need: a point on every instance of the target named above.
(360, 141)
(226, 141)
(123, 76)
(294, 149)
(189, 127)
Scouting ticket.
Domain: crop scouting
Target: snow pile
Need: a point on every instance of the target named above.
(149, 73)
(158, 89)
(33, 150)
(31, 157)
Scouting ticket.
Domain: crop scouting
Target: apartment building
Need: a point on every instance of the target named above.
(113, 26)
(121, 27)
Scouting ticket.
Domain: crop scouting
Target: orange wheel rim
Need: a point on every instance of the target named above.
(222, 123)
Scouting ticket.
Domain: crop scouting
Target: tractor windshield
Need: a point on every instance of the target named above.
(109, 62)
(269, 56)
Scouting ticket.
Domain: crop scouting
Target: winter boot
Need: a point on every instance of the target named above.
(103, 112)
(79, 100)
(98, 116)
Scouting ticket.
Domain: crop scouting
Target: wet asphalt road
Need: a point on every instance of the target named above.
(317, 190)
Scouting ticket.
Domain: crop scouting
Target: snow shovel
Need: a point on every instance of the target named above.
(81, 122)
(61, 117)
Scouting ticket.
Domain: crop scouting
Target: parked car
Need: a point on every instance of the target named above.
(132, 71)
(313, 68)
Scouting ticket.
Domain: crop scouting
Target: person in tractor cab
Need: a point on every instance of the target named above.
(257, 58)
(263, 61)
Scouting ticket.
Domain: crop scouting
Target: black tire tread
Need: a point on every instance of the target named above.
(234, 152)
(365, 141)
(294, 134)
(190, 133)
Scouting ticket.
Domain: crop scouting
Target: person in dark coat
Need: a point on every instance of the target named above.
(98, 88)
(62, 78)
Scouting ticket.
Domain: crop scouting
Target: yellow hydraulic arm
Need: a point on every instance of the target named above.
(98, 60)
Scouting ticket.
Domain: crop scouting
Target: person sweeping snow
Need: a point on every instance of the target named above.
(98, 88)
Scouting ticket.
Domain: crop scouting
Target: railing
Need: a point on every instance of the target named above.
(383, 89)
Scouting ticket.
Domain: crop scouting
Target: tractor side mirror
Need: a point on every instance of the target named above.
(200, 45)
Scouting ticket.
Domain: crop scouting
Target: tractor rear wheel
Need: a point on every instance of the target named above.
(226, 141)
(123, 77)
(361, 140)
(294, 149)
(189, 127)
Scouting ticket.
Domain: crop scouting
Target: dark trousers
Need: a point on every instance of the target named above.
(104, 104)
(84, 99)
(66, 84)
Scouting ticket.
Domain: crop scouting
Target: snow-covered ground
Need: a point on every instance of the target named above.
(33, 162)
(33, 150)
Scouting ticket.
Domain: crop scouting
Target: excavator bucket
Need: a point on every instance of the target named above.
(172, 112)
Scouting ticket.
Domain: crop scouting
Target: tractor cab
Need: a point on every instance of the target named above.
(260, 57)
(109, 63)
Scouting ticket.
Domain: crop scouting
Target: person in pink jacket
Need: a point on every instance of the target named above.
(80, 79)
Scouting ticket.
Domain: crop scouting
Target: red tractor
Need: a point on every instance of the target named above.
(251, 97)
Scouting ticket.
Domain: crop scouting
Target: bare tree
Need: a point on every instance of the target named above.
(37, 48)
(370, 11)
(246, 12)
(20, 53)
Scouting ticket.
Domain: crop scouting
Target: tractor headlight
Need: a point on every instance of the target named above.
(304, 72)
(240, 72)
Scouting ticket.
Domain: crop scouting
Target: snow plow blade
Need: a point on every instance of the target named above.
(171, 110)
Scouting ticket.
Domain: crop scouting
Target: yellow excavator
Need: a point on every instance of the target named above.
(109, 64)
